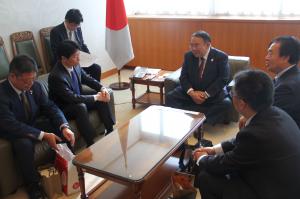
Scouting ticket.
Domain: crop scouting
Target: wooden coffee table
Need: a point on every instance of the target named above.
(149, 97)
(132, 154)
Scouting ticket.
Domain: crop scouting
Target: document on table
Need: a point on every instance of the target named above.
(86, 60)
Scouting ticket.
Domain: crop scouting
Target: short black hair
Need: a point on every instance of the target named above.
(255, 87)
(202, 34)
(67, 48)
(289, 47)
(74, 16)
(22, 64)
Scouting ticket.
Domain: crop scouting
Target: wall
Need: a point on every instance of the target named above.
(161, 42)
(16, 15)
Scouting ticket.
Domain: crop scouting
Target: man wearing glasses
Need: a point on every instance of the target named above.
(22, 101)
(204, 75)
(263, 160)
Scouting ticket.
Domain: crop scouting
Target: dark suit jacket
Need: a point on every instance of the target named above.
(59, 34)
(265, 154)
(13, 123)
(287, 93)
(60, 86)
(215, 74)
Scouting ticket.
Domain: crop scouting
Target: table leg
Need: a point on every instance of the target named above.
(161, 95)
(133, 94)
(137, 190)
(81, 183)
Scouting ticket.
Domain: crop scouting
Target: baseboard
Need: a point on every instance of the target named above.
(109, 73)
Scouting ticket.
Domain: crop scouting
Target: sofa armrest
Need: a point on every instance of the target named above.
(8, 172)
(172, 80)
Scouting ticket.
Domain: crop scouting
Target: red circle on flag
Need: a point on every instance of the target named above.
(115, 14)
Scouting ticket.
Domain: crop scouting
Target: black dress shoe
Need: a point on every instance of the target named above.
(36, 192)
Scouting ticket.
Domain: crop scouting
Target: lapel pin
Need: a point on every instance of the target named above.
(211, 60)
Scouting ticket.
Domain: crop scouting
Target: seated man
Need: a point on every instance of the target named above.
(65, 89)
(263, 160)
(22, 101)
(205, 73)
(282, 59)
(70, 29)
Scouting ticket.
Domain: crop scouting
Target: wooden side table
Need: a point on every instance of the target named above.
(149, 97)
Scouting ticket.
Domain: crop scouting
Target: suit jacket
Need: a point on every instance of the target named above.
(287, 93)
(59, 34)
(215, 74)
(60, 86)
(265, 154)
(13, 123)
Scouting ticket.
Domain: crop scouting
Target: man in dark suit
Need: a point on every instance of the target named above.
(70, 29)
(22, 101)
(263, 160)
(205, 72)
(65, 89)
(282, 59)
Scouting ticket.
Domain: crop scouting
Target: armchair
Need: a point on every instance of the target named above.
(4, 62)
(24, 43)
(46, 47)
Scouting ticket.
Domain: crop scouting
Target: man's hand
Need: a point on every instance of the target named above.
(69, 135)
(242, 122)
(203, 151)
(208, 150)
(198, 154)
(103, 96)
(51, 139)
(198, 96)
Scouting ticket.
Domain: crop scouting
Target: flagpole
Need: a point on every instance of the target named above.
(119, 85)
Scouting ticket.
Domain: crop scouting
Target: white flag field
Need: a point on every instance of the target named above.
(118, 41)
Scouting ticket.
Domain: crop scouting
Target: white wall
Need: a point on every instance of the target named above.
(32, 15)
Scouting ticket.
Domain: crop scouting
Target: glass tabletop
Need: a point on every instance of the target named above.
(133, 150)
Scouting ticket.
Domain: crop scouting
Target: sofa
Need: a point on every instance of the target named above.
(236, 64)
(10, 178)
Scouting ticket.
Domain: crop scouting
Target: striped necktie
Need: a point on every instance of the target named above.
(201, 67)
(26, 105)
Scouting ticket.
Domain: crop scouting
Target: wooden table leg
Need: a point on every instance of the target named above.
(161, 95)
(137, 190)
(81, 183)
(133, 94)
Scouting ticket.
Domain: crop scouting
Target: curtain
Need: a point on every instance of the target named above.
(257, 8)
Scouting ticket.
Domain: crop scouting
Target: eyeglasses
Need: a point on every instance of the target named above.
(195, 45)
(27, 80)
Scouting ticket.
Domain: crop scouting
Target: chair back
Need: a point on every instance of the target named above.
(237, 64)
(4, 62)
(24, 43)
(46, 47)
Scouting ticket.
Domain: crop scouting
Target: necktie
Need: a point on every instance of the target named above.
(201, 67)
(75, 83)
(70, 35)
(26, 105)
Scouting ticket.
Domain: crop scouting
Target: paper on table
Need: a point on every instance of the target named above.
(86, 60)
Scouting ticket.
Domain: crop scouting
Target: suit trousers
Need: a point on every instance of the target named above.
(79, 112)
(94, 71)
(223, 187)
(215, 111)
(24, 150)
